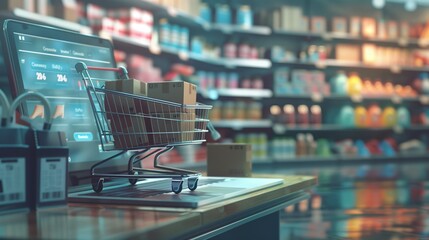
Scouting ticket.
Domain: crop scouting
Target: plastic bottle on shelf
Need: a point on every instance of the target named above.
(221, 81)
(244, 50)
(164, 33)
(240, 110)
(339, 83)
(202, 80)
(258, 83)
(228, 110)
(346, 116)
(374, 116)
(244, 16)
(232, 80)
(354, 85)
(255, 111)
(184, 39)
(360, 116)
(301, 149)
(403, 116)
(323, 148)
(367, 88)
(303, 117)
(254, 52)
(315, 115)
(263, 142)
(389, 117)
(197, 45)
(211, 81)
(230, 49)
(223, 14)
(424, 78)
(246, 83)
(275, 113)
(216, 113)
(310, 144)
(389, 89)
(289, 114)
(175, 36)
(205, 12)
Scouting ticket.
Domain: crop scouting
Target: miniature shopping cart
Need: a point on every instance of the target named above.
(145, 126)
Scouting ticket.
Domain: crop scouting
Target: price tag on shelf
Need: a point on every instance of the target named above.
(320, 64)
(403, 42)
(396, 99)
(183, 55)
(317, 97)
(395, 69)
(423, 42)
(398, 129)
(424, 99)
(356, 98)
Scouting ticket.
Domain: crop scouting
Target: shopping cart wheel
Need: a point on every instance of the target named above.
(192, 183)
(133, 181)
(97, 184)
(176, 185)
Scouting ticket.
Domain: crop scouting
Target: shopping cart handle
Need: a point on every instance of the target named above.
(213, 132)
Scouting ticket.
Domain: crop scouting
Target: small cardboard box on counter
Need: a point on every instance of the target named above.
(172, 127)
(231, 160)
(177, 92)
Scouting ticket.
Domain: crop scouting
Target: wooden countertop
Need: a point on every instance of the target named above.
(99, 221)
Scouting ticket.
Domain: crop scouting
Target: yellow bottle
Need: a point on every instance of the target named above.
(388, 117)
(360, 116)
(354, 85)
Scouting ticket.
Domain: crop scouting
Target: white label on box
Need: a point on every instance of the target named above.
(52, 179)
(12, 180)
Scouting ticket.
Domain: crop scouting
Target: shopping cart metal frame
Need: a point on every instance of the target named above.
(97, 97)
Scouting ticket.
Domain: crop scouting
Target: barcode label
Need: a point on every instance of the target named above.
(12, 180)
(52, 179)
(46, 196)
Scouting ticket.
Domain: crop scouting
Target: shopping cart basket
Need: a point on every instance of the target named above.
(146, 127)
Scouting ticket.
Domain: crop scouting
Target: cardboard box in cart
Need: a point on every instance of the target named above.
(131, 86)
(172, 124)
(231, 160)
(126, 119)
(173, 127)
(177, 92)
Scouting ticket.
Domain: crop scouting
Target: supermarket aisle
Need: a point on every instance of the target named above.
(361, 201)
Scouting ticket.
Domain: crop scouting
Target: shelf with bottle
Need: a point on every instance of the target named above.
(281, 128)
(295, 20)
(347, 37)
(304, 146)
(318, 98)
(124, 42)
(352, 86)
(333, 63)
(195, 15)
(348, 117)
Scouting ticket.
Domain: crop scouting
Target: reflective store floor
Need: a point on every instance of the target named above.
(385, 201)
